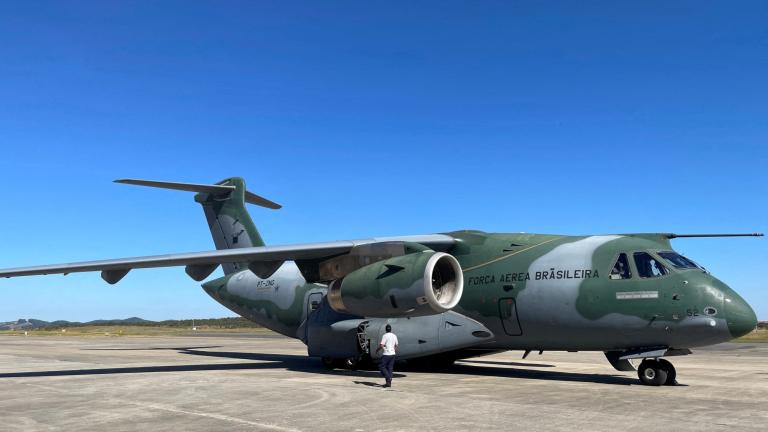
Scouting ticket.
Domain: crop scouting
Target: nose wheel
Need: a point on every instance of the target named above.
(656, 372)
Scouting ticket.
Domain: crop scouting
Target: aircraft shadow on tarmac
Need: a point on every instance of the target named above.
(521, 364)
(301, 363)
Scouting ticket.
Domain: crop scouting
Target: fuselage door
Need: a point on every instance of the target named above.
(509, 319)
(313, 302)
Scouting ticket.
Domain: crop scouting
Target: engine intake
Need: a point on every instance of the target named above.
(417, 284)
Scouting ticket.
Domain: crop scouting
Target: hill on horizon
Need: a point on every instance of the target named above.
(34, 324)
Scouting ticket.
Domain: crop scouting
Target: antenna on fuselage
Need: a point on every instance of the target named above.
(672, 236)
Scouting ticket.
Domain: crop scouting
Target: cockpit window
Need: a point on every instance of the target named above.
(648, 266)
(621, 268)
(677, 260)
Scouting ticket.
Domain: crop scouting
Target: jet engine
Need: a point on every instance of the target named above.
(416, 284)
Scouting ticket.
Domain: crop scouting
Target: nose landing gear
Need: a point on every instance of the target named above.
(656, 372)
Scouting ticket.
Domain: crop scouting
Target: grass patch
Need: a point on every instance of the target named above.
(759, 334)
(130, 330)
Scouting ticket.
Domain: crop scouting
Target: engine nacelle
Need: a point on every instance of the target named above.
(416, 284)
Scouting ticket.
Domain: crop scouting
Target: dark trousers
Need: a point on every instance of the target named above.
(386, 366)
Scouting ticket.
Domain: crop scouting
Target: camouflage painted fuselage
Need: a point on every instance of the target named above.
(539, 292)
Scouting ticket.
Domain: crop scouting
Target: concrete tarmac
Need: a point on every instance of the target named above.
(225, 383)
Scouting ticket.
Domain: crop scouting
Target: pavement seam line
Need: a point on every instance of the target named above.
(213, 416)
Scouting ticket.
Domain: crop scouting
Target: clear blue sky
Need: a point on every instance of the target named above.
(372, 118)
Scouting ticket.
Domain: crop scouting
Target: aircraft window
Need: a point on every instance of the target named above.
(648, 266)
(621, 268)
(677, 260)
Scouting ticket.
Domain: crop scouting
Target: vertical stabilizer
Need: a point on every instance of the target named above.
(224, 206)
(230, 224)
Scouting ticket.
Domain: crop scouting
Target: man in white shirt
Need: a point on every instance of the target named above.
(387, 361)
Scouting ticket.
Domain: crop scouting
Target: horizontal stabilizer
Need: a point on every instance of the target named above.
(673, 236)
(220, 189)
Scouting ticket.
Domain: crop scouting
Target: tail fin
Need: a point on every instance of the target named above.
(224, 206)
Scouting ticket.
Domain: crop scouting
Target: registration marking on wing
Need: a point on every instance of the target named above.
(635, 295)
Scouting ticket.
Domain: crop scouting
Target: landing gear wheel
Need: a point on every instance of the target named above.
(444, 362)
(351, 363)
(671, 372)
(652, 373)
(329, 363)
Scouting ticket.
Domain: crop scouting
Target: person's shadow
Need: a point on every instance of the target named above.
(369, 384)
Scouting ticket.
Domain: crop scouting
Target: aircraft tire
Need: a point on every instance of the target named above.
(329, 363)
(432, 363)
(352, 363)
(671, 372)
(652, 373)
(445, 363)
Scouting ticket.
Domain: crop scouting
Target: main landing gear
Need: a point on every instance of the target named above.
(656, 372)
(351, 363)
(362, 360)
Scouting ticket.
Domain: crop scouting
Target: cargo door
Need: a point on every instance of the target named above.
(314, 301)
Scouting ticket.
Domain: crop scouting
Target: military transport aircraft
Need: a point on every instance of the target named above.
(455, 295)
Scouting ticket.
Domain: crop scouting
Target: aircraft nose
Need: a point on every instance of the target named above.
(739, 315)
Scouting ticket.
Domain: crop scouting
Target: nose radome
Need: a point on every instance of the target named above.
(739, 315)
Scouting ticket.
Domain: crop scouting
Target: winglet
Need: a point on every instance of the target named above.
(219, 189)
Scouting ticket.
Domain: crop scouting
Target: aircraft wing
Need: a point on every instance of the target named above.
(263, 260)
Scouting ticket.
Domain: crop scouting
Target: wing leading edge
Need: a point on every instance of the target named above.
(263, 260)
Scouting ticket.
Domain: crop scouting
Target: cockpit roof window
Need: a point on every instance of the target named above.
(648, 266)
(677, 260)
